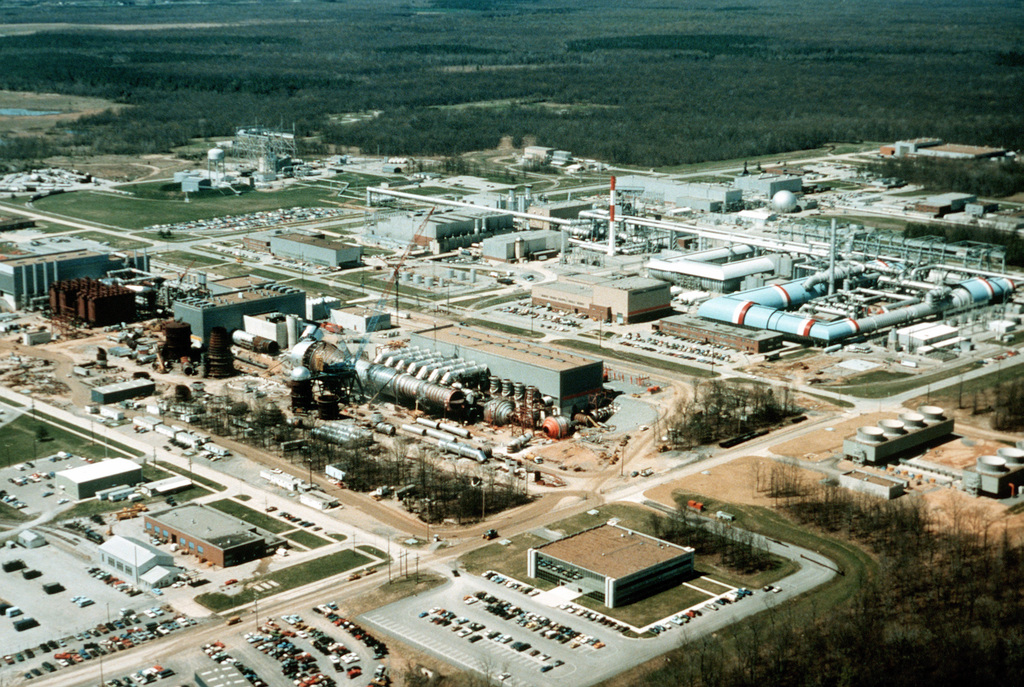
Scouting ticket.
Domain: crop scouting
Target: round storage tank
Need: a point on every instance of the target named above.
(1014, 457)
(784, 201)
(215, 154)
(892, 428)
(991, 465)
(872, 435)
(912, 420)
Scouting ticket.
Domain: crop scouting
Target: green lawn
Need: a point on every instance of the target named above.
(373, 551)
(251, 516)
(310, 541)
(12, 514)
(94, 506)
(898, 383)
(605, 352)
(287, 578)
(487, 301)
(198, 479)
(19, 443)
(506, 328)
(163, 203)
(115, 241)
(186, 258)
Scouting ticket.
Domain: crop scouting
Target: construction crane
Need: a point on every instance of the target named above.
(392, 284)
(339, 372)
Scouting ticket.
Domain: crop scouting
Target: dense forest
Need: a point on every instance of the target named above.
(644, 83)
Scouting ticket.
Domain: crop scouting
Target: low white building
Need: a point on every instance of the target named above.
(869, 483)
(31, 539)
(318, 500)
(139, 562)
(283, 480)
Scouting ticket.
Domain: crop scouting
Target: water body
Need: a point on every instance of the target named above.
(18, 112)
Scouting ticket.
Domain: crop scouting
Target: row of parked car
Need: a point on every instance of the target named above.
(216, 652)
(299, 521)
(474, 632)
(114, 581)
(330, 611)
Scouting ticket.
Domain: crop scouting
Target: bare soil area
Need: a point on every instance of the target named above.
(732, 482)
(820, 445)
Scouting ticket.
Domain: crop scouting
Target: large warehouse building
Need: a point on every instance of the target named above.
(229, 309)
(523, 245)
(83, 482)
(696, 196)
(444, 230)
(719, 270)
(211, 535)
(316, 250)
(24, 279)
(624, 300)
(739, 338)
(568, 378)
(768, 184)
(612, 564)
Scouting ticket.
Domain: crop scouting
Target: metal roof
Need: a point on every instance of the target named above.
(100, 470)
(133, 551)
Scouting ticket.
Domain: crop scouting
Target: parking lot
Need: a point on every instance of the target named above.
(598, 652)
(74, 619)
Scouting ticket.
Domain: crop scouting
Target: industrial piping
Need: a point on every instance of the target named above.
(764, 307)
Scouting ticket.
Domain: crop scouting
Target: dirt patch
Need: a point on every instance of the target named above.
(732, 482)
(953, 509)
(571, 455)
(822, 444)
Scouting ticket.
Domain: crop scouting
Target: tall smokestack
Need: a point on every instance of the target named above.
(832, 260)
(611, 220)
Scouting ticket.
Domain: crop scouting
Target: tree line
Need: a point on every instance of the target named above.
(719, 411)
(645, 84)
(945, 607)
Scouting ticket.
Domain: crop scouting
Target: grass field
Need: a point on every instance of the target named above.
(304, 538)
(20, 444)
(288, 578)
(185, 258)
(115, 241)
(881, 387)
(251, 516)
(506, 328)
(160, 203)
(658, 363)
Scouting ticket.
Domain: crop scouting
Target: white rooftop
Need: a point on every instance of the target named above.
(104, 468)
(133, 551)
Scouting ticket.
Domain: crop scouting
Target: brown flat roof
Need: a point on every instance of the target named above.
(524, 351)
(967, 150)
(613, 551)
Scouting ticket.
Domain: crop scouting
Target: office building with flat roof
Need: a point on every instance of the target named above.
(211, 535)
(612, 564)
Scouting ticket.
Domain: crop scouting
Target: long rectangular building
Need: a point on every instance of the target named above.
(612, 564)
(316, 250)
(229, 309)
(28, 277)
(625, 300)
(211, 535)
(568, 378)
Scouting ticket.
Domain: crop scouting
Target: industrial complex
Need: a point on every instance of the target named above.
(537, 360)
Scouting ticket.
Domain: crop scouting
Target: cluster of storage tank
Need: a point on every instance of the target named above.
(908, 422)
(1007, 459)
